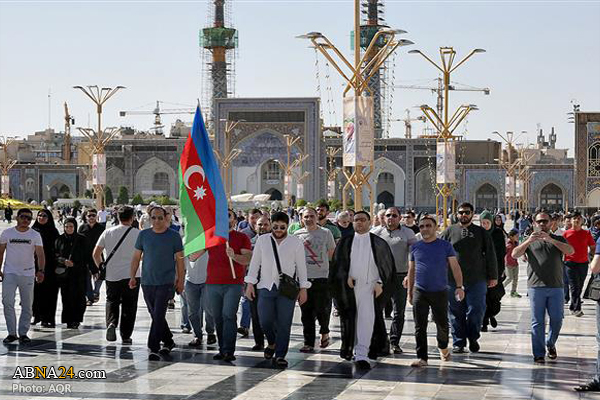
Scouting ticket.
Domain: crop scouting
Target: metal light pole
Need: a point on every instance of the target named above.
(331, 171)
(357, 76)
(510, 166)
(5, 165)
(288, 168)
(99, 138)
(446, 125)
(229, 155)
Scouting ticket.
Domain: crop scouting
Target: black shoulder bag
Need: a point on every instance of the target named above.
(102, 266)
(594, 293)
(288, 286)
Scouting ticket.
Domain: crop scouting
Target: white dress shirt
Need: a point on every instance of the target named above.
(362, 263)
(291, 257)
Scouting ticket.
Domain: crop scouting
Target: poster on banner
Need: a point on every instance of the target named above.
(300, 190)
(331, 189)
(445, 162)
(519, 188)
(510, 186)
(286, 186)
(359, 131)
(5, 184)
(99, 169)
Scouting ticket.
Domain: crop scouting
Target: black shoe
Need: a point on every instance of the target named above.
(48, 325)
(258, 347)
(243, 331)
(362, 364)
(111, 333)
(346, 354)
(196, 342)
(35, 321)
(10, 339)
(493, 322)
(539, 360)
(154, 357)
(459, 350)
(219, 356)
(96, 298)
(185, 329)
(166, 348)
(474, 346)
(484, 328)
(269, 352)
(127, 341)
(552, 352)
(397, 349)
(89, 303)
(280, 362)
(229, 357)
(211, 339)
(24, 339)
(591, 386)
(73, 325)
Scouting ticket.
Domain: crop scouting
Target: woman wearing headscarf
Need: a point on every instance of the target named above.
(495, 294)
(499, 224)
(45, 294)
(71, 273)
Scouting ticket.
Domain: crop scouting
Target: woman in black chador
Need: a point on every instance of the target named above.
(71, 273)
(45, 294)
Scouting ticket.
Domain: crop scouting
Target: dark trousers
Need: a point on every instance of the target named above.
(399, 303)
(380, 343)
(45, 297)
(566, 282)
(257, 332)
(276, 316)
(156, 298)
(438, 303)
(120, 299)
(317, 307)
(577, 273)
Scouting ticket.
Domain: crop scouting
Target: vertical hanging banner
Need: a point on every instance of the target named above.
(331, 189)
(519, 184)
(445, 162)
(99, 169)
(300, 190)
(5, 184)
(287, 186)
(359, 131)
(510, 186)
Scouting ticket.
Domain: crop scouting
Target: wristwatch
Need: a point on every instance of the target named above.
(461, 288)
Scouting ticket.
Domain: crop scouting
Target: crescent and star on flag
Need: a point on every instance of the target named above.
(199, 192)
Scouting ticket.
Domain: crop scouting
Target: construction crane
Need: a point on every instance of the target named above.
(408, 123)
(439, 89)
(157, 129)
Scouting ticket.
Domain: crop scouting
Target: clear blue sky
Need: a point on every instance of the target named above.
(540, 56)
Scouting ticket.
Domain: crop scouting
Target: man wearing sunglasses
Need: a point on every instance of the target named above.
(399, 238)
(545, 284)
(91, 230)
(477, 258)
(18, 271)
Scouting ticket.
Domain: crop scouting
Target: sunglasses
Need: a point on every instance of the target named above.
(91, 215)
(541, 221)
(26, 217)
(42, 216)
(464, 212)
(391, 215)
(425, 226)
(279, 227)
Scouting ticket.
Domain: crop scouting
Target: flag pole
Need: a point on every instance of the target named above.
(231, 262)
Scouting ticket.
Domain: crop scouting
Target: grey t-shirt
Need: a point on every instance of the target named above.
(399, 241)
(317, 243)
(545, 265)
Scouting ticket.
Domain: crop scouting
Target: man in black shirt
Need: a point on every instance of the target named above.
(477, 259)
(409, 221)
(91, 231)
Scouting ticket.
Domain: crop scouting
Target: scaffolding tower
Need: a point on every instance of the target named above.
(218, 51)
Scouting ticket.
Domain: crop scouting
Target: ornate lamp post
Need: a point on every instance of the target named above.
(6, 164)
(288, 167)
(226, 160)
(331, 171)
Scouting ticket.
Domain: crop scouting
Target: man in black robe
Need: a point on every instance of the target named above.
(363, 274)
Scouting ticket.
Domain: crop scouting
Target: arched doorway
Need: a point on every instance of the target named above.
(386, 198)
(551, 197)
(486, 198)
(275, 194)
(425, 190)
(60, 191)
(593, 198)
(160, 182)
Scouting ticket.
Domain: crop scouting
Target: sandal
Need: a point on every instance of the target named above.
(307, 349)
(281, 362)
(325, 342)
(269, 352)
(592, 386)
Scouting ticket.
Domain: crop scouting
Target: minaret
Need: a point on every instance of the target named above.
(552, 139)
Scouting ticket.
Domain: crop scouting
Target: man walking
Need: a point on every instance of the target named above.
(92, 230)
(545, 286)
(319, 246)
(118, 245)
(322, 213)
(428, 287)
(275, 254)
(399, 238)
(577, 263)
(20, 243)
(250, 230)
(362, 281)
(197, 299)
(477, 259)
(162, 270)
(224, 290)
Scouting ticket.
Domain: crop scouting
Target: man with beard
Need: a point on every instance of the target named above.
(362, 280)
(251, 231)
(322, 213)
(477, 259)
(399, 238)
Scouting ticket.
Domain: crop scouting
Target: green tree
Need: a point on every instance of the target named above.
(108, 196)
(137, 199)
(123, 197)
(77, 204)
(335, 204)
(301, 203)
(88, 194)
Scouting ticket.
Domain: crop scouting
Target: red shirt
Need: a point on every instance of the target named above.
(509, 260)
(581, 241)
(219, 270)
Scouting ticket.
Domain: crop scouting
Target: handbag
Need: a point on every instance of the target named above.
(102, 266)
(595, 289)
(288, 286)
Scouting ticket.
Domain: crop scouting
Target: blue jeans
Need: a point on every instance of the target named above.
(185, 318)
(598, 341)
(196, 299)
(246, 315)
(276, 314)
(223, 303)
(544, 300)
(156, 298)
(466, 317)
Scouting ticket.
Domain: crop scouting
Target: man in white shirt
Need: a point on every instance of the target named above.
(276, 311)
(119, 297)
(102, 216)
(18, 271)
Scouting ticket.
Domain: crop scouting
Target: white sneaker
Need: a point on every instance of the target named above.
(419, 363)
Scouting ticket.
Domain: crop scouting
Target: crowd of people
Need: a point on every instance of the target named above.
(355, 266)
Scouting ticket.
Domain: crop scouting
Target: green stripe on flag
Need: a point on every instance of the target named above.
(194, 237)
